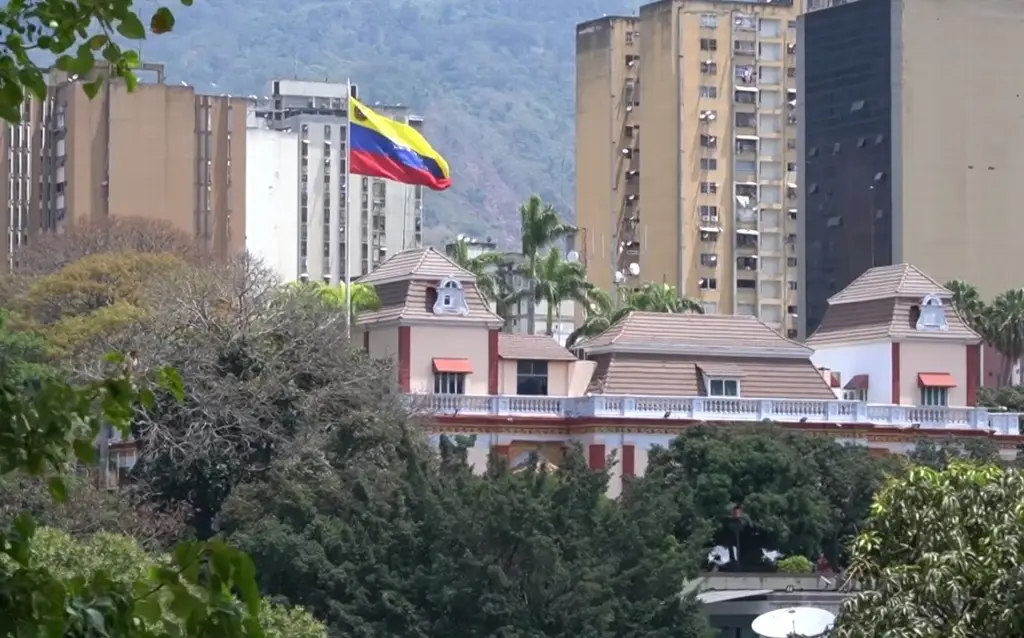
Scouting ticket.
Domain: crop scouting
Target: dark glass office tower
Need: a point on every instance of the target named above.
(846, 150)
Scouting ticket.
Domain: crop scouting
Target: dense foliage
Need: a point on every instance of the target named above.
(940, 557)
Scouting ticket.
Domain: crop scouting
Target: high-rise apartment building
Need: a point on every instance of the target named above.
(911, 121)
(378, 218)
(686, 152)
(161, 152)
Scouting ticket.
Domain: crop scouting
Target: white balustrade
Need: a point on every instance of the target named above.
(720, 409)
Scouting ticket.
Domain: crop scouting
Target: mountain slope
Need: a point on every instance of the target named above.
(494, 78)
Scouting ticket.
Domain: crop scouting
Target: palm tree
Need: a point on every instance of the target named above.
(484, 266)
(662, 298)
(969, 304)
(539, 227)
(558, 280)
(1005, 329)
(649, 298)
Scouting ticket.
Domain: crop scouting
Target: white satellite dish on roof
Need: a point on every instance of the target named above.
(634, 269)
(803, 622)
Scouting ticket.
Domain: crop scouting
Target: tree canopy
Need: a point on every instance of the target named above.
(940, 557)
(766, 489)
(529, 553)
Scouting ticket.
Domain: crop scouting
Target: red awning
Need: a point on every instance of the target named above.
(936, 380)
(858, 382)
(456, 366)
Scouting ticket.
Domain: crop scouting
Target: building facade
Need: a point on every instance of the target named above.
(160, 152)
(338, 232)
(892, 337)
(900, 163)
(650, 376)
(686, 153)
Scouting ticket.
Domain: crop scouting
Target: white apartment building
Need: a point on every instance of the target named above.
(298, 155)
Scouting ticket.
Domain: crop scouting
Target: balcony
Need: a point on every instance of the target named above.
(719, 409)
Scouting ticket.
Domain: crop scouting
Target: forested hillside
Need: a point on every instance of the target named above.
(493, 78)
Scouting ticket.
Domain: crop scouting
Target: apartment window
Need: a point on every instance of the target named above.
(768, 28)
(792, 285)
(709, 213)
(855, 395)
(708, 44)
(769, 51)
(709, 187)
(746, 284)
(449, 383)
(532, 378)
(709, 283)
(629, 37)
(709, 141)
(709, 91)
(746, 120)
(708, 164)
(723, 388)
(791, 261)
(709, 68)
(936, 397)
(709, 21)
(709, 260)
(710, 307)
(790, 71)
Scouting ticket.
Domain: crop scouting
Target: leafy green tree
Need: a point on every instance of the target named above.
(76, 33)
(95, 298)
(938, 454)
(764, 488)
(23, 354)
(527, 553)
(364, 297)
(46, 427)
(124, 561)
(940, 557)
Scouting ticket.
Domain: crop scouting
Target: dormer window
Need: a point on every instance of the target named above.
(931, 314)
(723, 387)
(451, 299)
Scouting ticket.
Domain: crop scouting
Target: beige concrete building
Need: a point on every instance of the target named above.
(686, 153)
(161, 152)
(910, 152)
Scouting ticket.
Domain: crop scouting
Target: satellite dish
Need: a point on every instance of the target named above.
(803, 622)
(573, 256)
(634, 269)
(619, 277)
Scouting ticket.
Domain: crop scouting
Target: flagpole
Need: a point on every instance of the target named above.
(348, 200)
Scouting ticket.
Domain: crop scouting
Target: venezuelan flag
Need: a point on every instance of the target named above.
(382, 147)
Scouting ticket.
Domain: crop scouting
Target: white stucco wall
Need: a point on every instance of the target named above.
(272, 200)
(872, 359)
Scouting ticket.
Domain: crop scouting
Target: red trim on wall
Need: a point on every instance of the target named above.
(404, 361)
(629, 460)
(366, 340)
(502, 451)
(895, 400)
(973, 373)
(597, 457)
(492, 362)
